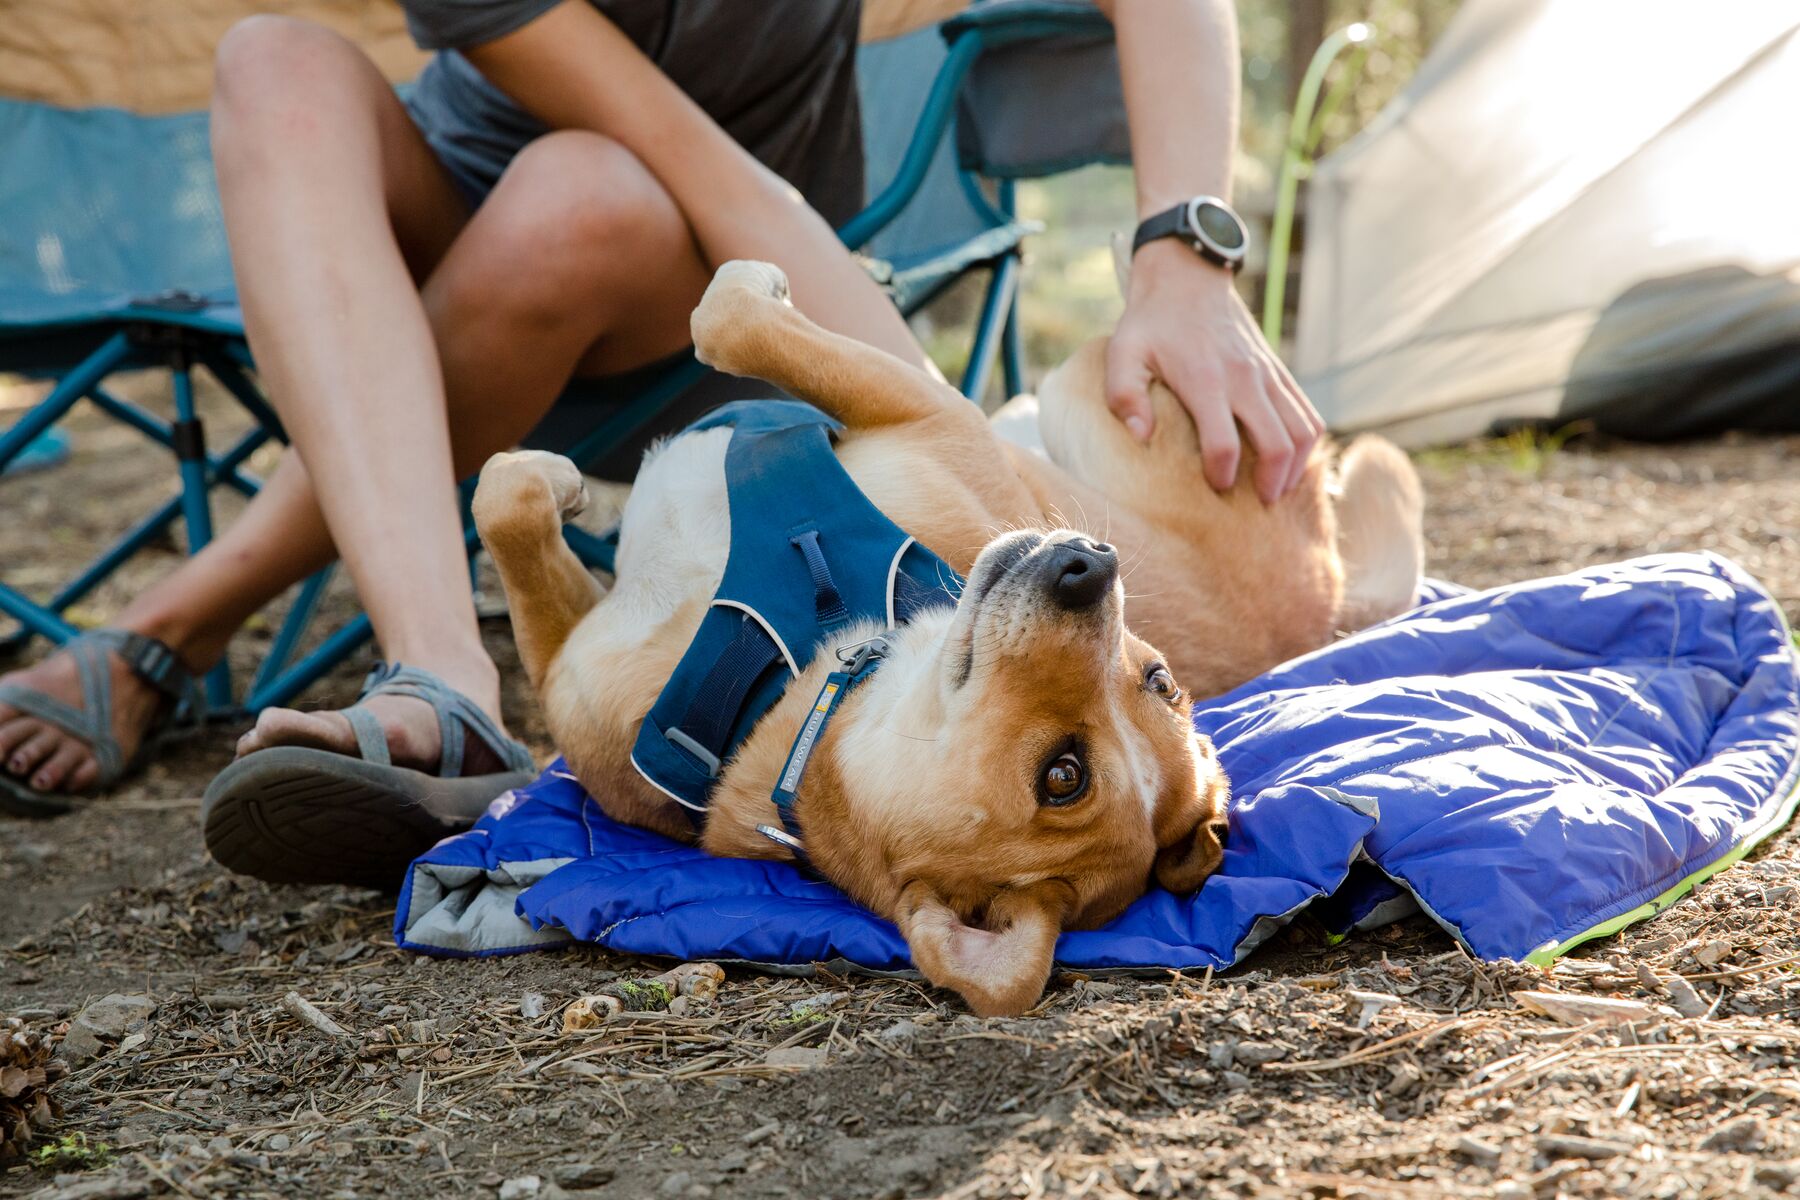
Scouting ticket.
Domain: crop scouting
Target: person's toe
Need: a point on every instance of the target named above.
(286, 727)
(34, 750)
(58, 771)
(14, 733)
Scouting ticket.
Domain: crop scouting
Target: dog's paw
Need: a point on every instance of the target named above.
(729, 310)
(748, 275)
(519, 478)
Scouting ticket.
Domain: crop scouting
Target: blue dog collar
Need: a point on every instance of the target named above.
(859, 662)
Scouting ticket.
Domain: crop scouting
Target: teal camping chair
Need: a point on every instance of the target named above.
(113, 258)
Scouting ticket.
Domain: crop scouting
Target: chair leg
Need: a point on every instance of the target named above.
(995, 311)
(196, 505)
(293, 629)
(1012, 352)
(68, 390)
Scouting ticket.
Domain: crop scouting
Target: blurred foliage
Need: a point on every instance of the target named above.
(1069, 293)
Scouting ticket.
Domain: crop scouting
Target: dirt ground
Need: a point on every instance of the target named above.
(1278, 1079)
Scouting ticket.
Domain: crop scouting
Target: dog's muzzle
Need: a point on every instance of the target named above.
(1079, 573)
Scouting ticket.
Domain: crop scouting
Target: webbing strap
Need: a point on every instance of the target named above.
(828, 602)
(720, 697)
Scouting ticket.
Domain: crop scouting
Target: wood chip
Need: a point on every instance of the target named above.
(1579, 1010)
(302, 1009)
(1563, 1145)
(1476, 1150)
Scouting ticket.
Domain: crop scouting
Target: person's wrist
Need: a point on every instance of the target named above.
(1169, 260)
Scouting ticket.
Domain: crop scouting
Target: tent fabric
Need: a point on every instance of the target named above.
(1532, 765)
(1567, 203)
(158, 57)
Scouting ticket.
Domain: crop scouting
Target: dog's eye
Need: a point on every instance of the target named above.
(1064, 781)
(1158, 680)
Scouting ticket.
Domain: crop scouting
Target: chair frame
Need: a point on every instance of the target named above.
(153, 333)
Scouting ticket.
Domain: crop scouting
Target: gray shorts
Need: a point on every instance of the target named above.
(790, 100)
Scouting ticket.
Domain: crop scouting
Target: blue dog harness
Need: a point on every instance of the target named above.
(809, 556)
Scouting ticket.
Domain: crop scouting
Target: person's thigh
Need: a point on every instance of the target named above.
(296, 101)
(578, 263)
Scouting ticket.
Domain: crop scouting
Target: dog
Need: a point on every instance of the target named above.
(1025, 760)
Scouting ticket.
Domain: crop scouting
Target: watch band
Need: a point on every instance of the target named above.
(1177, 222)
(1170, 222)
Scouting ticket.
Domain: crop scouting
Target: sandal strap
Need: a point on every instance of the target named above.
(151, 660)
(371, 740)
(457, 717)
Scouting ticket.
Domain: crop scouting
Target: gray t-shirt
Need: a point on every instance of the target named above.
(778, 75)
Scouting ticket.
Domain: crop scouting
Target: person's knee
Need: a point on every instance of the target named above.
(275, 66)
(577, 217)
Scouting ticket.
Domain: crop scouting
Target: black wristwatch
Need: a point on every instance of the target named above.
(1206, 223)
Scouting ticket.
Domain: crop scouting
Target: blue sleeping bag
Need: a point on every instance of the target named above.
(1533, 766)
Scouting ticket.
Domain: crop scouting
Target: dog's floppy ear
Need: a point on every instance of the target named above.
(1184, 866)
(1190, 826)
(1000, 970)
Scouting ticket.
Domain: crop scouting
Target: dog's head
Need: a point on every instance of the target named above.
(1024, 765)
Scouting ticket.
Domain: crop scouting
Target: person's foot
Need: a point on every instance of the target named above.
(410, 725)
(49, 759)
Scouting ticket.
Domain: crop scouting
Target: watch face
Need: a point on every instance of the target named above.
(1220, 227)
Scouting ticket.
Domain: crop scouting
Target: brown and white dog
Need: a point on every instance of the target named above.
(1024, 762)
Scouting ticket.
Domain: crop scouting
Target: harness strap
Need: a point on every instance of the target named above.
(705, 730)
(859, 662)
(828, 602)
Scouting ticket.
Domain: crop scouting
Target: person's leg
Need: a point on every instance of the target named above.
(578, 260)
(329, 92)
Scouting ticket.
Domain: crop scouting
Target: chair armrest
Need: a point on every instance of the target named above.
(1000, 22)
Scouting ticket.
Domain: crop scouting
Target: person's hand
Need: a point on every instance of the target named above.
(1185, 325)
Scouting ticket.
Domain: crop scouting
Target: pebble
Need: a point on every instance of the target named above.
(676, 1184)
(583, 1175)
(531, 1007)
(279, 1143)
(1745, 1133)
(1257, 1053)
(111, 1016)
(1476, 1150)
(522, 1187)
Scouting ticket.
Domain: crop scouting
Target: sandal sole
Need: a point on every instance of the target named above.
(17, 800)
(291, 814)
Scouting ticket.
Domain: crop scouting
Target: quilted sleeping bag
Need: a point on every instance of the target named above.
(1533, 766)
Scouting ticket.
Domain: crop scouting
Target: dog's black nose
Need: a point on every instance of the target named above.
(1079, 573)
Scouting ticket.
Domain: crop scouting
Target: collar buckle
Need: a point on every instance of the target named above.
(855, 658)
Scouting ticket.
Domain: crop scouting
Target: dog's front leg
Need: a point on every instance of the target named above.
(746, 326)
(520, 505)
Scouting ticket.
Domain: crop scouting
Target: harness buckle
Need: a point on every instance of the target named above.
(856, 657)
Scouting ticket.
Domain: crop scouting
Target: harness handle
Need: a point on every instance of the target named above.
(828, 602)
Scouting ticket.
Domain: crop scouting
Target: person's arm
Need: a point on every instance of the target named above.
(1184, 323)
(574, 69)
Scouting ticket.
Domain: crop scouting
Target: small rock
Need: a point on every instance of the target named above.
(817, 1003)
(678, 1007)
(111, 1016)
(81, 1044)
(903, 1030)
(1476, 1150)
(1512, 1189)
(220, 1147)
(675, 1184)
(1778, 1174)
(583, 1175)
(1745, 1133)
(279, 1143)
(531, 1007)
(521, 1187)
(1686, 1000)
(798, 1056)
(1257, 1053)
(1221, 1054)
(1236, 1080)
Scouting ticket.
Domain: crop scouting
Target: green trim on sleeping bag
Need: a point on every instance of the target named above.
(1779, 818)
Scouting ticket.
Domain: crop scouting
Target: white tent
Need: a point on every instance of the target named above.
(1577, 207)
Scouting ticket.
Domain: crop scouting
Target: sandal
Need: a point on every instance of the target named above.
(295, 814)
(150, 660)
